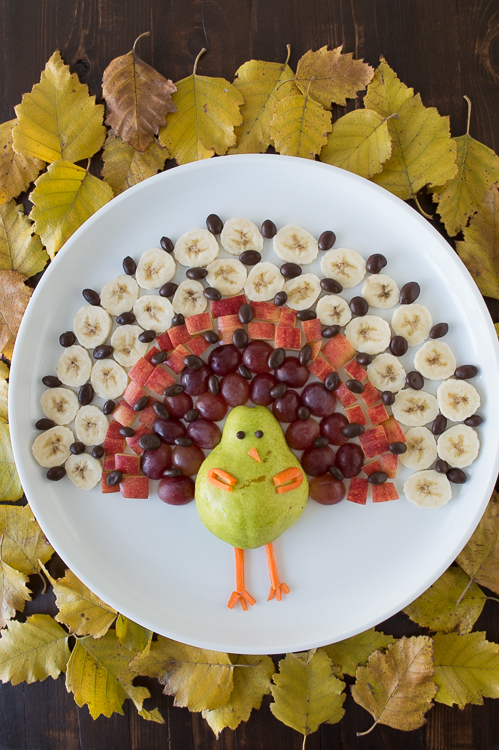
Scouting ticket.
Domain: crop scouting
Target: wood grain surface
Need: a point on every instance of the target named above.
(444, 49)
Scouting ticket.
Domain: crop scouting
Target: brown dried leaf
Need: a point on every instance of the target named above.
(16, 170)
(138, 99)
(14, 298)
(337, 77)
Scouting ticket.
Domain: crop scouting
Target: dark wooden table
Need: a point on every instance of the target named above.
(444, 49)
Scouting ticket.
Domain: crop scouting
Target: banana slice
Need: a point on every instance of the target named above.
(347, 267)
(118, 296)
(413, 322)
(84, 471)
(380, 291)
(127, 349)
(239, 235)
(108, 379)
(263, 282)
(435, 360)
(428, 489)
(228, 276)
(386, 373)
(153, 313)
(459, 445)
(92, 325)
(302, 291)
(91, 425)
(333, 310)
(196, 248)
(155, 268)
(421, 449)
(74, 366)
(60, 405)
(294, 244)
(414, 408)
(189, 298)
(51, 448)
(457, 399)
(369, 334)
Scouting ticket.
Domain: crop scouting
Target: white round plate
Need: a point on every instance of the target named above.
(349, 567)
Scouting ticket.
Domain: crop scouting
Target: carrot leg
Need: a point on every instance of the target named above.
(277, 588)
(240, 594)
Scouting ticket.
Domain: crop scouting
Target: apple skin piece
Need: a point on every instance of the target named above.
(107, 489)
(227, 306)
(263, 330)
(320, 368)
(312, 330)
(252, 513)
(371, 467)
(148, 416)
(357, 492)
(288, 317)
(227, 324)
(287, 338)
(179, 335)
(389, 464)
(176, 359)
(338, 351)
(393, 431)
(133, 393)
(370, 395)
(150, 354)
(136, 487)
(356, 415)
(124, 414)
(114, 442)
(158, 380)
(109, 462)
(374, 442)
(141, 371)
(377, 413)
(199, 323)
(316, 346)
(266, 311)
(198, 345)
(165, 342)
(356, 371)
(127, 463)
(383, 493)
(345, 396)
(133, 442)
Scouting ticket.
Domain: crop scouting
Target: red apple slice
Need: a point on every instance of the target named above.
(198, 345)
(266, 311)
(127, 463)
(176, 359)
(198, 323)
(288, 317)
(114, 442)
(370, 395)
(389, 464)
(356, 371)
(374, 442)
(106, 488)
(338, 351)
(259, 329)
(371, 467)
(393, 431)
(136, 487)
(124, 414)
(356, 415)
(133, 442)
(165, 342)
(377, 413)
(159, 380)
(383, 493)
(287, 338)
(179, 335)
(150, 354)
(140, 371)
(227, 306)
(357, 492)
(133, 393)
(312, 330)
(148, 416)
(344, 395)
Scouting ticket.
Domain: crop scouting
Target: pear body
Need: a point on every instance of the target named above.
(253, 513)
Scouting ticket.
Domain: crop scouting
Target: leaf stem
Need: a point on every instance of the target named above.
(304, 741)
(363, 734)
(465, 591)
(469, 114)
(288, 47)
(427, 216)
(203, 50)
(146, 33)
(309, 84)
(492, 598)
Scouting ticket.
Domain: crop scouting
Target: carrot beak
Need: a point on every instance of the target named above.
(254, 454)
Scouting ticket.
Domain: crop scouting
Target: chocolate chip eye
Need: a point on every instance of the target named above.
(258, 434)
(240, 435)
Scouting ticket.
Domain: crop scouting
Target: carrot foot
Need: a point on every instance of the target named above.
(278, 591)
(244, 597)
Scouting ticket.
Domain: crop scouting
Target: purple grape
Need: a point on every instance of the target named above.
(168, 429)
(195, 382)
(256, 355)
(224, 359)
(319, 400)
(292, 372)
(204, 434)
(155, 462)
(260, 388)
(176, 490)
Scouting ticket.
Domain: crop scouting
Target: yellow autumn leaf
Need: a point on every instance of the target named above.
(251, 683)
(479, 250)
(4, 371)
(397, 688)
(300, 126)
(64, 198)
(207, 113)
(423, 153)
(306, 692)
(466, 668)
(14, 298)
(134, 637)
(443, 606)
(10, 485)
(33, 650)
(4, 393)
(260, 84)
(99, 677)
(138, 98)
(359, 142)
(198, 678)
(16, 171)
(14, 592)
(332, 76)
(347, 655)
(20, 249)
(24, 543)
(480, 557)
(124, 166)
(80, 610)
(59, 119)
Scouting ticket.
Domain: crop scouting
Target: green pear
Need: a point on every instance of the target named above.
(253, 513)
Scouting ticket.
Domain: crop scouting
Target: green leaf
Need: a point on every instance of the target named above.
(251, 683)
(359, 142)
(20, 249)
(24, 543)
(332, 76)
(134, 637)
(300, 126)
(355, 651)
(98, 675)
(33, 650)
(124, 166)
(479, 250)
(58, 119)
(438, 607)
(65, 197)
(198, 678)
(480, 558)
(10, 485)
(397, 688)
(306, 692)
(466, 668)
(13, 592)
(16, 171)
